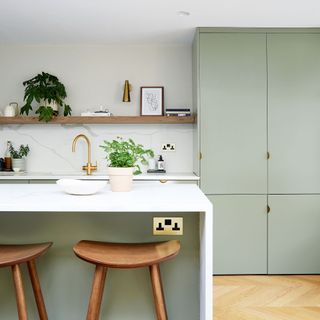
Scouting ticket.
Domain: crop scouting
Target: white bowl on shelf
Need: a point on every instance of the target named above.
(81, 187)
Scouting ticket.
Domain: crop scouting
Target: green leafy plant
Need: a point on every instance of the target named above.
(44, 88)
(126, 154)
(19, 154)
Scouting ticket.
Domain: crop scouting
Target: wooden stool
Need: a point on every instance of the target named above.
(13, 256)
(126, 255)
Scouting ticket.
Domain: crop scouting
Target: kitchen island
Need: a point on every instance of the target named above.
(42, 212)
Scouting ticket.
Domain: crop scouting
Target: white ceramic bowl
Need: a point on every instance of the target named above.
(80, 187)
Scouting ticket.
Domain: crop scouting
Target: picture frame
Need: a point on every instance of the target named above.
(151, 101)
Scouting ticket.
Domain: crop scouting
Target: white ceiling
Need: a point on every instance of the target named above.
(141, 21)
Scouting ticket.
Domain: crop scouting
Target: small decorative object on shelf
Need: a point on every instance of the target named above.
(123, 158)
(178, 112)
(152, 101)
(11, 110)
(103, 112)
(49, 93)
(19, 157)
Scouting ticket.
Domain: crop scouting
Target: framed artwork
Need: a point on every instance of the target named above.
(151, 101)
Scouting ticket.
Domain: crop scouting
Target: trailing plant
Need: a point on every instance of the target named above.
(44, 88)
(126, 154)
(19, 154)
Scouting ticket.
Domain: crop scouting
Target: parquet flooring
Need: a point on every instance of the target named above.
(267, 297)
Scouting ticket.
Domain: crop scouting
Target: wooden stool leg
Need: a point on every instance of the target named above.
(21, 301)
(37, 290)
(158, 292)
(97, 293)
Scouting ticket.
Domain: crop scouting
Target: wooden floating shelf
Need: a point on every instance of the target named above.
(101, 120)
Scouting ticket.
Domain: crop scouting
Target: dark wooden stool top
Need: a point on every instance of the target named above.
(11, 254)
(126, 255)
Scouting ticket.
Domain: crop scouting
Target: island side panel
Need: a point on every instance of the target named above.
(206, 265)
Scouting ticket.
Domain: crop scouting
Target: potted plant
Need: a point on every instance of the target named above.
(19, 157)
(49, 92)
(124, 158)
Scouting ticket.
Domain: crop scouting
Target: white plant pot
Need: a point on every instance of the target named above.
(19, 164)
(120, 179)
(52, 104)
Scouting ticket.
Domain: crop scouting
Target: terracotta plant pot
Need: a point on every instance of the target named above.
(120, 179)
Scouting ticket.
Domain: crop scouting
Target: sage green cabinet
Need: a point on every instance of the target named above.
(294, 112)
(233, 114)
(294, 237)
(239, 234)
(258, 91)
(42, 181)
(14, 182)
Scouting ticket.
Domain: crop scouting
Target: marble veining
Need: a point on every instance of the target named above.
(51, 144)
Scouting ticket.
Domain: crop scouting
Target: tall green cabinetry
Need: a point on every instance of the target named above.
(257, 146)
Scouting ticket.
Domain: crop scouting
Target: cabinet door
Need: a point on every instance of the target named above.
(233, 113)
(239, 234)
(294, 113)
(294, 237)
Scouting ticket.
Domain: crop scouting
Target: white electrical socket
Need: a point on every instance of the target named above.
(168, 147)
(167, 226)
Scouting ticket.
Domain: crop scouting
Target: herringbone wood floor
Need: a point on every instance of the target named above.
(266, 297)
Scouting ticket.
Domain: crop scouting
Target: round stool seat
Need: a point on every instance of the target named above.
(16, 254)
(126, 255)
(12, 255)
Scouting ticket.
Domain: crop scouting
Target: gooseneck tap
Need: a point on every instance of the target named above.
(89, 167)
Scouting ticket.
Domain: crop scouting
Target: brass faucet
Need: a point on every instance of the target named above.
(89, 167)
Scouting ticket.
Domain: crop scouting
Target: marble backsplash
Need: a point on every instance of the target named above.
(51, 144)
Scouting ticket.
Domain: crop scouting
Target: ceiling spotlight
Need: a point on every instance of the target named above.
(183, 13)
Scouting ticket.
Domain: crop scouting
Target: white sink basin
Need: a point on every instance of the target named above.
(81, 187)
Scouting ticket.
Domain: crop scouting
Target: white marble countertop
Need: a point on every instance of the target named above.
(145, 197)
(189, 176)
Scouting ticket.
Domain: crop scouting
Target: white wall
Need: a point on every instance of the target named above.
(94, 76)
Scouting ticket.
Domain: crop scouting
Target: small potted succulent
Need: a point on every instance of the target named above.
(49, 93)
(19, 157)
(123, 159)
